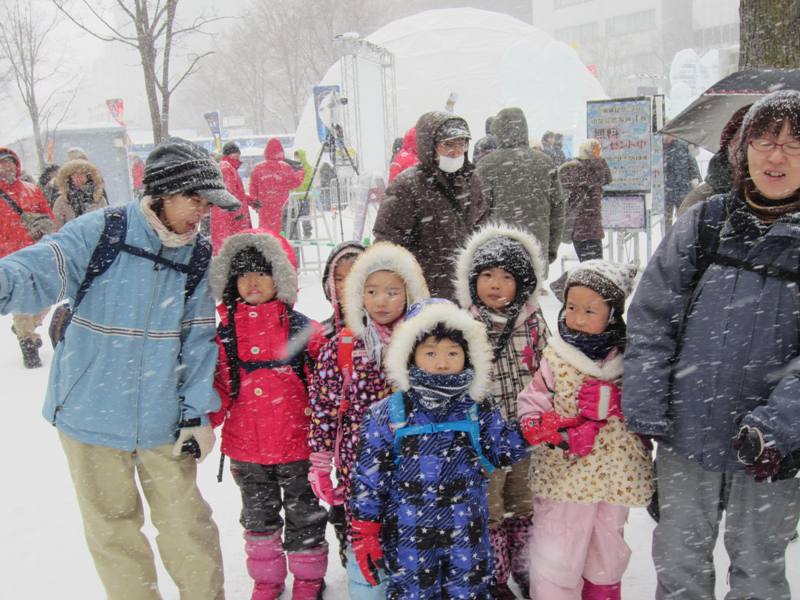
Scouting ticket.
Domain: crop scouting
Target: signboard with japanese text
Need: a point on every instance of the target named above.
(624, 212)
(624, 128)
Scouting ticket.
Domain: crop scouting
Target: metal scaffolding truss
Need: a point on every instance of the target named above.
(353, 50)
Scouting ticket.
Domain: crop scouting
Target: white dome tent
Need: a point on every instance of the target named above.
(488, 59)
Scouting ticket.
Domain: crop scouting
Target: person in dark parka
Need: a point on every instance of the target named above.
(521, 184)
(713, 337)
(487, 144)
(681, 175)
(432, 207)
(583, 180)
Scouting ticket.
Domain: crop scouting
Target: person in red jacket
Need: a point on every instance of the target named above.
(266, 351)
(16, 195)
(270, 184)
(224, 222)
(407, 157)
(137, 176)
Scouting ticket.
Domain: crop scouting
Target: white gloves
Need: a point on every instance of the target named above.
(198, 441)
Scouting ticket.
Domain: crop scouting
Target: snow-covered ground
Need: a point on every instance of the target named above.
(43, 553)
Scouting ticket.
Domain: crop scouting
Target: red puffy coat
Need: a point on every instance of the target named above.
(268, 422)
(228, 222)
(407, 157)
(270, 184)
(13, 234)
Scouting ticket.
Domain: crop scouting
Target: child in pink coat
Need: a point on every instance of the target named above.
(587, 468)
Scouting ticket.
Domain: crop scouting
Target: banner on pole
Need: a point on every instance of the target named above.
(320, 92)
(214, 124)
(116, 106)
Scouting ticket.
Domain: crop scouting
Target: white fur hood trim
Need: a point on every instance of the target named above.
(383, 256)
(479, 238)
(608, 371)
(407, 333)
(284, 274)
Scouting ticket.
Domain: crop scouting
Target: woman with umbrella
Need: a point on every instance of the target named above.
(711, 369)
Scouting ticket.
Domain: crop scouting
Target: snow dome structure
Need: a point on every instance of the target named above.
(488, 59)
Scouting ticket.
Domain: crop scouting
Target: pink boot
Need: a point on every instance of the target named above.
(266, 564)
(308, 568)
(593, 591)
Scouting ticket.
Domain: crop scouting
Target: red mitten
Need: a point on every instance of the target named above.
(367, 548)
(543, 430)
(581, 438)
(598, 400)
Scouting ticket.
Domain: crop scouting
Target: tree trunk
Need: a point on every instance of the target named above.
(33, 111)
(768, 34)
(166, 92)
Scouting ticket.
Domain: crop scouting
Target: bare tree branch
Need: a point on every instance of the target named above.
(117, 37)
(23, 40)
(190, 69)
(156, 33)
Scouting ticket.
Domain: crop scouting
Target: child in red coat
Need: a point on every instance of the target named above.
(266, 350)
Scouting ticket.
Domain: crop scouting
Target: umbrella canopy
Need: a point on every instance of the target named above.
(701, 123)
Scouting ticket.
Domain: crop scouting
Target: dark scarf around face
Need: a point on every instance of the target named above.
(597, 346)
(80, 199)
(436, 392)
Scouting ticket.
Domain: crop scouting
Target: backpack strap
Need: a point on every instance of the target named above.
(107, 249)
(299, 333)
(712, 217)
(198, 264)
(400, 428)
(344, 360)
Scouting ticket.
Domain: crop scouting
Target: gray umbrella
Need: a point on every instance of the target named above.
(701, 123)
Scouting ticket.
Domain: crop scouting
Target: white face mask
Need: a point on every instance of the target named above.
(450, 165)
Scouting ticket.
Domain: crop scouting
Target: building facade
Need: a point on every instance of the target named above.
(630, 45)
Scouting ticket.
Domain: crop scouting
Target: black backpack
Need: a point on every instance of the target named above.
(299, 360)
(111, 243)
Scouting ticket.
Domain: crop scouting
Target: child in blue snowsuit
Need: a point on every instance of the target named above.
(420, 490)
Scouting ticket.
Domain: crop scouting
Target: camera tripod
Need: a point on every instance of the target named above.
(333, 139)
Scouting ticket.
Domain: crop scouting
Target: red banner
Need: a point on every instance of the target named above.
(116, 106)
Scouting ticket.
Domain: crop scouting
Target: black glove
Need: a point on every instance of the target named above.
(749, 444)
(761, 461)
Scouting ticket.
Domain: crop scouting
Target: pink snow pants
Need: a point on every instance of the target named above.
(570, 542)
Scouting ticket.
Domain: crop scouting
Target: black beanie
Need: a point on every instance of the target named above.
(509, 255)
(249, 260)
(230, 148)
(180, 166)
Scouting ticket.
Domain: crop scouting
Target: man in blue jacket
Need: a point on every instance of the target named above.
(130, 387)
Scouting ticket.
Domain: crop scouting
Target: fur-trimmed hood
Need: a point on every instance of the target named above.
(274, 248)
(73, 167)
(343, 249)
(383, 256)
(466, 256)
(407, 333)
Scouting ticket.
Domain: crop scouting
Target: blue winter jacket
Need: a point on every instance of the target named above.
(436, 496)
(136, 359)
(704, 360)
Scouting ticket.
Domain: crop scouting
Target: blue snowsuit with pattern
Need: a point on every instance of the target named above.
(432, 498)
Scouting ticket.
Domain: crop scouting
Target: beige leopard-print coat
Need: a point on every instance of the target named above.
(618, 470)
